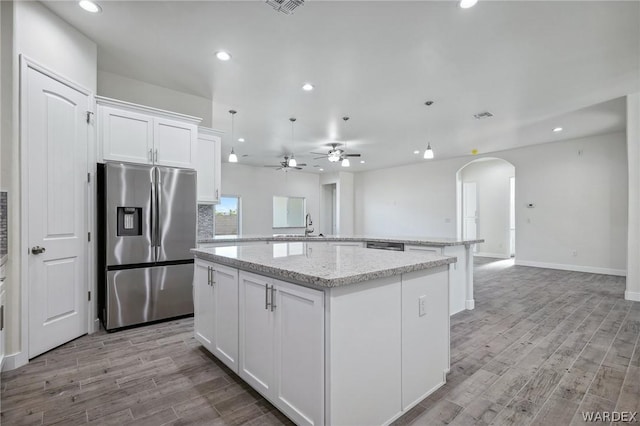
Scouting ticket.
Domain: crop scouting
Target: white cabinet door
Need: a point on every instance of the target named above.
(208, 166)
(203, 304)
(299, 352)
(125, 135)
(256, 332)
(175, 143)
(225, 315)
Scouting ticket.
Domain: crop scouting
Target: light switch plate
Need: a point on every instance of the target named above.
(422, 306)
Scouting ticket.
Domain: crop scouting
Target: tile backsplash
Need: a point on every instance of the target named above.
(4, 230)
(205, 221)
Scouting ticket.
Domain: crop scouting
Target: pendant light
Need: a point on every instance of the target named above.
(292, 160)
(428, 153)
(233, 158)
(345, 160)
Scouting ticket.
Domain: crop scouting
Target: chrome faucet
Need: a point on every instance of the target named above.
(307, 224)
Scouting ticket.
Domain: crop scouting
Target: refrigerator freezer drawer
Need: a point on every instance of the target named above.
(140, 295)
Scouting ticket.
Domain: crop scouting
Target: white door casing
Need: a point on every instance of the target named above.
(55, 136)
(469, 211)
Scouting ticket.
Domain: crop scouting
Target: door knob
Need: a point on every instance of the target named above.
(38, 250)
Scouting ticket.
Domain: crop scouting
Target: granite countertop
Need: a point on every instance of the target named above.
(320, 265)
(418, 241)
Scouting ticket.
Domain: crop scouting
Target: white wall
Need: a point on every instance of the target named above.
(581, 202)
(633, 243)
(139, 92)
(493, 196)
(51, 42)
(256, 187)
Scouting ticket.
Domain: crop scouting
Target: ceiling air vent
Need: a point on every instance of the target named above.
(483, 115)
(285, 6)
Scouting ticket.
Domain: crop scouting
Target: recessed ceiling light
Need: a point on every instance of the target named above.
(466, 4)
(222, 55)
(321, 169)
(90, 6)
(240, 139)
(361, 161)
(416, 152)
(557, 129)
(307, 87)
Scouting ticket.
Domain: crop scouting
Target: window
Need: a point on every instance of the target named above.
(227, 216)
(288, 212)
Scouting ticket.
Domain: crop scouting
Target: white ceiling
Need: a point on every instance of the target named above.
(534, 64)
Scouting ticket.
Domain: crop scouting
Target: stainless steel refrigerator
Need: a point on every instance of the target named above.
(146, 226)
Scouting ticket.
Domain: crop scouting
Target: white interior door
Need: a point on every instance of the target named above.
(56, 138)
(469, 211)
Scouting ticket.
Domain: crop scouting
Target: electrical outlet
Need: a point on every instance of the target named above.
(422, 306)
(574, 253)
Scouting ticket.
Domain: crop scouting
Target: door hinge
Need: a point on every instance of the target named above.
(89, 114)
(89, 236)
(89, 296)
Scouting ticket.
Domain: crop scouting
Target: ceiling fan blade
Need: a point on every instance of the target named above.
(302, 164)
(318, 158)
(271, 166)
(319, 153)
(351, 155)
(297, 168)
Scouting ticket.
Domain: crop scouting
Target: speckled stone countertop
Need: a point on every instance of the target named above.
(417, 241)
(320, 265)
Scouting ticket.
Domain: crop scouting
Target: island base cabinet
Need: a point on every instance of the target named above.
(203, 304)
(282, 345)
(363, 338)
(425, 335)
(225, 315)
(215, 299)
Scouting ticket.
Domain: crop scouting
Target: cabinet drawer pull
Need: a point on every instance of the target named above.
(151, 156)
(266, 296)
(273, 298)
(208, 275)
(155, 160)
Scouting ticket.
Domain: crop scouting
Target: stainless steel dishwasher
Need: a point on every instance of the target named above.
(383, 245)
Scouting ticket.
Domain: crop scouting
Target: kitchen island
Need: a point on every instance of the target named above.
(336, 335)
(461, 274)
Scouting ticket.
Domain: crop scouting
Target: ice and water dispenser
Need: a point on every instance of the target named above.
(129, 221)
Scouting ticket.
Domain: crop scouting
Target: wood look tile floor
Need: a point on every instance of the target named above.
(541, 347)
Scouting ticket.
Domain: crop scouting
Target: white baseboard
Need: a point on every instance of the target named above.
(632, 295)
(13, 361)
(469, 304)
(577, 268)
(487, 254)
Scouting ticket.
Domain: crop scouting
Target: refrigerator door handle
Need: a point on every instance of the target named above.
(154, 219)
(157, 207)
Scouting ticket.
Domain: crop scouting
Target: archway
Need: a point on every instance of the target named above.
(485, 204)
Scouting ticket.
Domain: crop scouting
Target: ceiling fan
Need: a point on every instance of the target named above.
(335, 154)
(284, 165)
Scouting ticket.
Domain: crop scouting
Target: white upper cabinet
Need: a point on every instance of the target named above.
(208, 165)
(143, 135)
